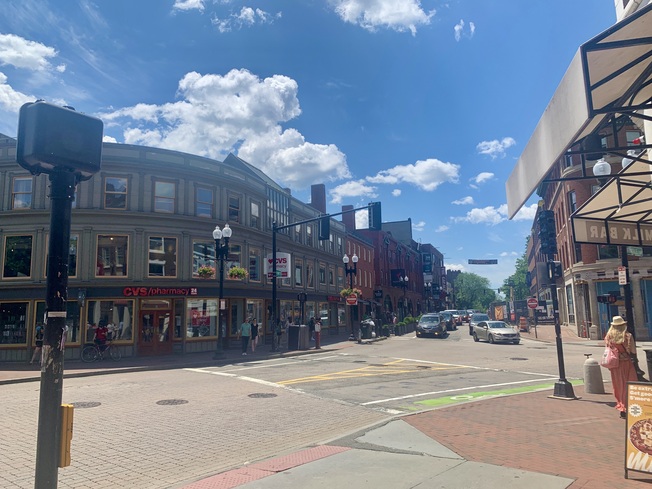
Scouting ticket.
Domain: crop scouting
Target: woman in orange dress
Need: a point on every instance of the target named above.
(617, 337)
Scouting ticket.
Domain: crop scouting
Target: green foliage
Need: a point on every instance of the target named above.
(473, 292)
(517, 280)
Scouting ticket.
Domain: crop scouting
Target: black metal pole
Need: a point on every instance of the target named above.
(275, 324)
(629, 311)
(62, 191)
(563, 388)
(219, 349)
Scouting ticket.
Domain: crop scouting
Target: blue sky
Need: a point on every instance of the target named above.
(423, 105)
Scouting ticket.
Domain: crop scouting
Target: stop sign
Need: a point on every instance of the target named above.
(352, 300)
(533, 303)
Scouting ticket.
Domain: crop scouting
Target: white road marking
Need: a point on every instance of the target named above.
(242, 377)
(432, 393)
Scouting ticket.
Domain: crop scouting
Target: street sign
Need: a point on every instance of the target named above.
(352, 300)
(533, 303)
(483, 262)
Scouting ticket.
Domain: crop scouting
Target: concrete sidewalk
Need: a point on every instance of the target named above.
(519, 441)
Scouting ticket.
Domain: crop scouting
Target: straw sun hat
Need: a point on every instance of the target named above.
(618, 321)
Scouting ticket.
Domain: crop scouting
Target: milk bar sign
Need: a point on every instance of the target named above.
(615, 233)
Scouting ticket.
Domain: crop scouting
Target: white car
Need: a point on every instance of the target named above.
(496, 332)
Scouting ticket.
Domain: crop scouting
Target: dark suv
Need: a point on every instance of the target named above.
(431, 324)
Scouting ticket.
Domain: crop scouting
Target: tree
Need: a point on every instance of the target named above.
(473, 292)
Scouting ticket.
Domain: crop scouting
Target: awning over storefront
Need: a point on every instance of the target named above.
(620, 213)
(610, 74)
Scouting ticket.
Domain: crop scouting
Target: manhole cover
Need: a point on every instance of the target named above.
(171, 402)
(518, 358)
(82, 405)
(262, 395)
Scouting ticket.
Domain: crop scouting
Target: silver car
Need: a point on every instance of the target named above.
(476, 317)
(496, 332)
(431, 325)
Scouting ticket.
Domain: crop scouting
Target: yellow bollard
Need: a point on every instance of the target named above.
(66, 434)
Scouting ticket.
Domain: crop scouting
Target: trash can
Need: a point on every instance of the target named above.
(293, 337)
(593, 332)
(298, 337)
(366, 327)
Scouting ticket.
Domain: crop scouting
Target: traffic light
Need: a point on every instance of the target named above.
(324, 228)
(375, 219)
(547, 232)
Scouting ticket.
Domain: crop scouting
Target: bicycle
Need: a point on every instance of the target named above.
(92, 352)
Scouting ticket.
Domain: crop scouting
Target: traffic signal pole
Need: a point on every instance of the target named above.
(375, 221)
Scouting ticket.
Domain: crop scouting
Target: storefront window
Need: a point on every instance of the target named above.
(254, 265)
(203, 254)
(162, 257)
(112, 253)
(18, 257)
(201, 317)
(235, 257)
(73, 333)
(116, 315)
(13, 324)
(255, 311)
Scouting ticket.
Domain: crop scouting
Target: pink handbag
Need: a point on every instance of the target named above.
(610, 358)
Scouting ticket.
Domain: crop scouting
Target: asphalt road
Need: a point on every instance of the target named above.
(161, 429)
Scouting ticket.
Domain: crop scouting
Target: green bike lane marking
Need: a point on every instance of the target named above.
(476, 396)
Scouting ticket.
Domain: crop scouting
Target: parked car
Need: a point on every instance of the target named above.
(431, 324)
(448, 318)
(475, 319)
(496, 332)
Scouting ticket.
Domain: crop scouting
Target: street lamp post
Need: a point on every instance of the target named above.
(427, 287)
(403, 282)
(351, 271)
(221, 252)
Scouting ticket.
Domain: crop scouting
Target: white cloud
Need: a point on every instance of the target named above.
(526, 213)
(109, 139)
(10, 99)
(482, 177)
(246, 17)
(495, 148)
(455, 266)
(459, 30)
(442, 228)
(362, 219)
(239, 113)
(22, 53)
(468, 200)
(189, 5)
(419, 226)
(426, 175)
(396, 192)
(487, 215)
(352, 189)
(401, 16)
(508, 253)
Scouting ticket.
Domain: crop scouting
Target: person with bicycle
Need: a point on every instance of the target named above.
(101, 332)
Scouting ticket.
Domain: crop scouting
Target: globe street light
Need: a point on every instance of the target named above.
(427, 287)
(351, 271)
(221, 252)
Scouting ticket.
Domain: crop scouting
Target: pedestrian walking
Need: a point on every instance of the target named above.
(311, 328)
(318, 334)
(254, 335)
(623, 342)
(244, 332)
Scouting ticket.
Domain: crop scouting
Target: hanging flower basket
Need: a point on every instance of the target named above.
(347, 292)
(206, 272)
(238, 273)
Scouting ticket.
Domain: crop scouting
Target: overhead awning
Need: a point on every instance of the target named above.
(610, 74)
(620, 213)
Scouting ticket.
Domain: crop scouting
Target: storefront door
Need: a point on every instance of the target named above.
(155, 336)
